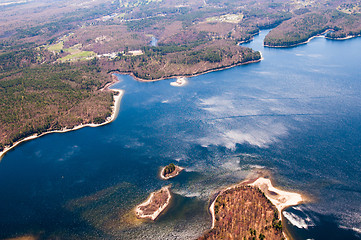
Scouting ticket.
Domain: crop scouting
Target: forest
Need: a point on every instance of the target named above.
(38, 98)
(238, 208)
(302, 28)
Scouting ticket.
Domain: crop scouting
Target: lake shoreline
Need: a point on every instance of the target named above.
(120, 95)
(115, 110)
(300, 43)
(309, 39)
(186, 75)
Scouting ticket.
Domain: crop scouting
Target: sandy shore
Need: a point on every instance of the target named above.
(139, 212)
(115, 111)
(178, 170)
(281, 199)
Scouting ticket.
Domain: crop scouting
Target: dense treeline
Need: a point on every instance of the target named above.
(244, 212)
(17, 60)
(303, 27)
(182, 60)
(307, 25)
(45, 97)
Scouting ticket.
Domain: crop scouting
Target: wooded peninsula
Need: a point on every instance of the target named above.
(56, 57)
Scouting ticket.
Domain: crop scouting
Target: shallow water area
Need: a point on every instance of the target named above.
(296, 113)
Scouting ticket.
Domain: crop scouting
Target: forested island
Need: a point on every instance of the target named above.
(250, 210)
(170, 171)
(55, 58)
(244, 213)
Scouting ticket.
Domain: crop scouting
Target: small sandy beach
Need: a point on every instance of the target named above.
(281, 199)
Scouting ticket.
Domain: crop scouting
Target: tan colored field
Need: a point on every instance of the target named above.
(228, 18)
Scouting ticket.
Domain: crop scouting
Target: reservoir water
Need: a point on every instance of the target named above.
(295, 116)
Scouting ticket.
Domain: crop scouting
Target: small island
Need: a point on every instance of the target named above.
(170, 171)
(154, 205)
(250, 211)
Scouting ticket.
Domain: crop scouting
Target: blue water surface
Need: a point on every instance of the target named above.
(295, 116)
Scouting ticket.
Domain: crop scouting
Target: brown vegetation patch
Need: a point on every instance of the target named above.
(186, 36)
(107, 38)
(47, 97)
(155, 204)
(39, 21)
(219, 28)
(244, 212)
(169, 29)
